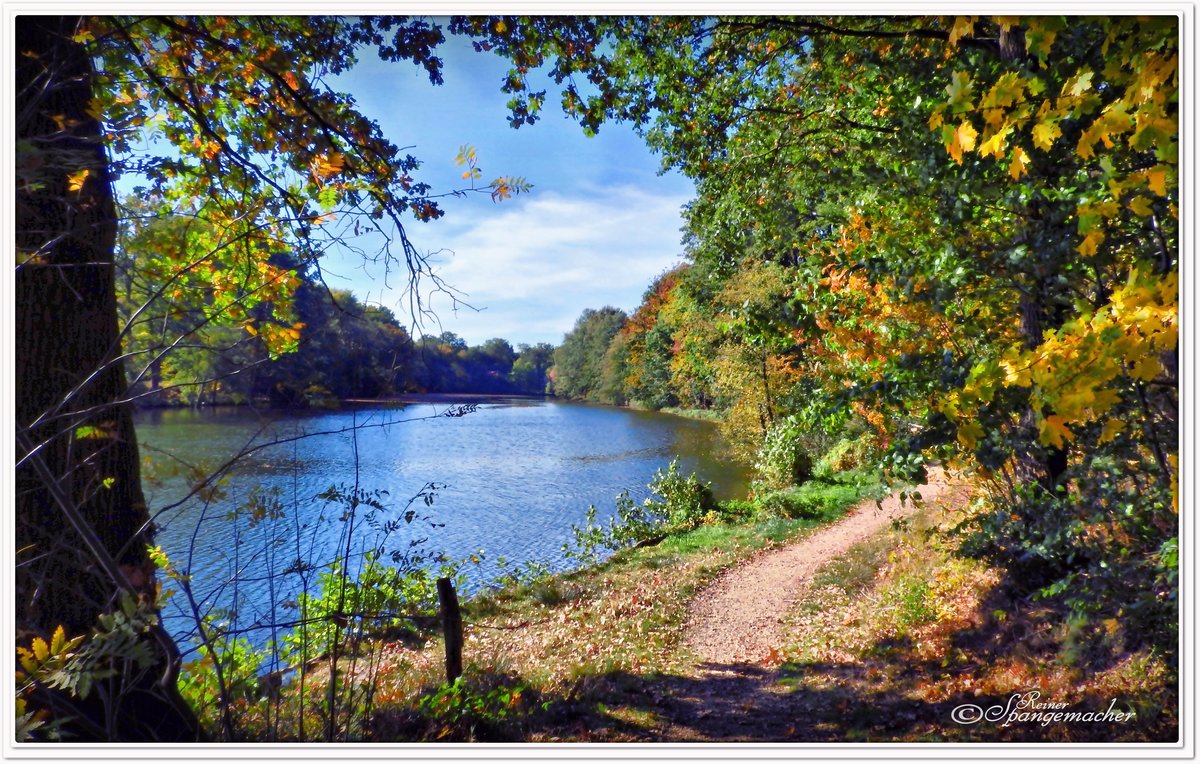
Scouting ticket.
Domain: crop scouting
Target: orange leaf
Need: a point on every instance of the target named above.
(1156, 179)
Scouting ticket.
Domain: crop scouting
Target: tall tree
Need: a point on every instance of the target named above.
(82, 522)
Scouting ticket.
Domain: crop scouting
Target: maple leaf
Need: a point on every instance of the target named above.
(960, 91)
(1111, 428)
(1146, 369)
(1009, 90)
(1045, 133)
(1140, 206)
(1020, 163)
(1079, 84)
(963, 27)
(1091, 243)
(1054, 432)
(963, 139)
(994, 144)
(1084, 149)
(969, 434)
(1156, 179)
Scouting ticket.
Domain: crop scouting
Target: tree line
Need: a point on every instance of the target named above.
(342, 348)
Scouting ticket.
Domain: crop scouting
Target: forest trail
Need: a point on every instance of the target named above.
(733, 692)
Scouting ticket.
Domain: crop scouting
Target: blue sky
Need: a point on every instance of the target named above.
(598, 225)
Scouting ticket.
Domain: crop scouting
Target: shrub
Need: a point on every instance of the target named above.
(783, 459)
(686, 502)
(846, 455)
(1104, 546)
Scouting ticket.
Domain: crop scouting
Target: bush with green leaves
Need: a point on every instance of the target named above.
(783, 460)
(686, 502)
(682, 503)
(845, 455)
(226, 667)
(476, 708)
(1105, 547)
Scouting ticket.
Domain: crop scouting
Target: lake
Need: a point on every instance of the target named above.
(512, 479)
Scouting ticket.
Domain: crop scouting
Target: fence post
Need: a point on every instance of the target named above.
(452, 628)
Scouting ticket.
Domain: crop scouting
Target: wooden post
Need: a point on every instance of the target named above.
(452, 628)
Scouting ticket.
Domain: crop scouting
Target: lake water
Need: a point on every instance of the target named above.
(513, 477)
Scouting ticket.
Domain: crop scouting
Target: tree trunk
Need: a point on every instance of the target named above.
(70, 382)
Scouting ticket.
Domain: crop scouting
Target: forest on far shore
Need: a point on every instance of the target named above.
(343, 347)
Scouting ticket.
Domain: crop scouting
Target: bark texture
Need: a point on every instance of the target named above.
(76, 443)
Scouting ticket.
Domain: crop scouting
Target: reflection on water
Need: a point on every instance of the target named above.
(512, 478)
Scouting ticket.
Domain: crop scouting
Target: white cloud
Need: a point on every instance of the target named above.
(536, 262)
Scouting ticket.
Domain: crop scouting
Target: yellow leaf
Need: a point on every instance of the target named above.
(1006, 22)
(328, 165)
(1054, 432)
(1140, 206)
(935, 120)
(1146, 369)
(994, 145)
(40, 649)
(75, 182)
(963, 27)
(1079, 84)
(1020, 163)
(58, 641)
(1111, 428)
(1084, 149)
(84, 36)
(969, 434)
(1156, 179)
(962, 140)
(1090, 243)
(1045, 133)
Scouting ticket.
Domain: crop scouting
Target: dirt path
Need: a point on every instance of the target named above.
(733, 694)
(737, 618)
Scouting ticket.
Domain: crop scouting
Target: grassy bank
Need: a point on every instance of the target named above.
(899, 633)
(550, 657)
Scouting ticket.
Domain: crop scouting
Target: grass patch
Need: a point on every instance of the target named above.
(822, 498)
(707, 415)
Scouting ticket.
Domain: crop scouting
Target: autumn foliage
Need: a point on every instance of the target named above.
(957, 234)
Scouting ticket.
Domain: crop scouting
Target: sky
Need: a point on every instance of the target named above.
(599, 223)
